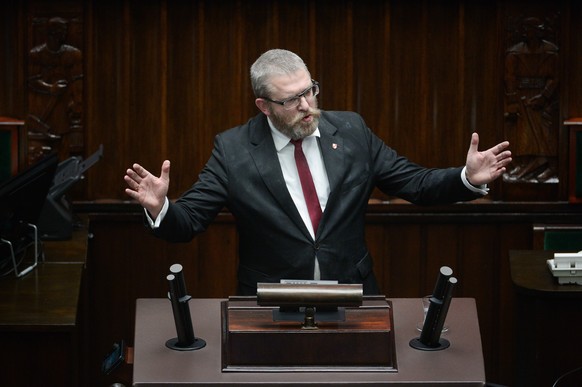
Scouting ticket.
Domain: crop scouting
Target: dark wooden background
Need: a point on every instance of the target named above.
(161, 78)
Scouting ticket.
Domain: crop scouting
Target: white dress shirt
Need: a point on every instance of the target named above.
(285, 152)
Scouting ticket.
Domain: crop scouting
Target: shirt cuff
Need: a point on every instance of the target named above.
(481, 189)
(156, 223)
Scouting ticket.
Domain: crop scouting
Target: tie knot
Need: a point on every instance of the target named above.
(297, 142)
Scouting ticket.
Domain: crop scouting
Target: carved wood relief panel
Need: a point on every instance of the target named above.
(532, 102)
(54, 119)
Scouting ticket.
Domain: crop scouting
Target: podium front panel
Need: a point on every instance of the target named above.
(263, 339)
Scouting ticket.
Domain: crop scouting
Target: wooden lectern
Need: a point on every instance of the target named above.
(154, 364)
(257, 339)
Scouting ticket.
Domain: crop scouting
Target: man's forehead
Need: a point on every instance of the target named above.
(290, 84)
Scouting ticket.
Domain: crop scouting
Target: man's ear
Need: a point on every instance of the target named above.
(263, 106)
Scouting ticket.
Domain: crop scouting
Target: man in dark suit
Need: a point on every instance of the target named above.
(287, 230)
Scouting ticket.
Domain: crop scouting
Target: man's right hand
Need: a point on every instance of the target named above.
(150, 191)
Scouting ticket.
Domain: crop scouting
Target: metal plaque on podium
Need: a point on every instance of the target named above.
(258, 336)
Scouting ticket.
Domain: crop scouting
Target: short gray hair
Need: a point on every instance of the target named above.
(273, 63)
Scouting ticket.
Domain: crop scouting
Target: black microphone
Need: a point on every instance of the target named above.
(440, 321)
(440, 287)
(186, 340)
(430, 337)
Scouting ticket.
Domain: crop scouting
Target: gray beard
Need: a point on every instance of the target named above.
(296, 129)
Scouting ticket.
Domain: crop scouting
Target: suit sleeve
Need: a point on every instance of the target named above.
(397, 176)
(191, 214)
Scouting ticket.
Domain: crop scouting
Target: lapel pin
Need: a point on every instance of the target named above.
(334, 145)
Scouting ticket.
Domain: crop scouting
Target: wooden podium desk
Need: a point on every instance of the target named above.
(548, 319)
(530, 275)
(38, 318)
(155, 365)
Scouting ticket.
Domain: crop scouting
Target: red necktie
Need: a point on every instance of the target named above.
(309, 192)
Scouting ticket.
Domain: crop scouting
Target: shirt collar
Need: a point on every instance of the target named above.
(282, 140)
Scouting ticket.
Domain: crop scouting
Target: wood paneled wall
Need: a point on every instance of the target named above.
(162, 77)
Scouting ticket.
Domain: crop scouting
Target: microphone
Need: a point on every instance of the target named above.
(430, 337)
(186, 340)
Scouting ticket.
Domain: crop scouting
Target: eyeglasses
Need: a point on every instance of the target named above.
(293, 102)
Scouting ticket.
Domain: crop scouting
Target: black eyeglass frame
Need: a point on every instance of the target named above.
(297, 97)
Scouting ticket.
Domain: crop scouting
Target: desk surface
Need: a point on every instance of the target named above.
(545, 335)
(46, 299)
(461, 364)
(531, 275)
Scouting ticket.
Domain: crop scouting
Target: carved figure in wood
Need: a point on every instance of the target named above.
(55, 98)
(531, 103)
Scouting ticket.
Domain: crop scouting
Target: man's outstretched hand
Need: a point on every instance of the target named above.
(486, 166)
(150, 191)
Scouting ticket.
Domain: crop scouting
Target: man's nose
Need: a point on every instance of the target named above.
(303, 104)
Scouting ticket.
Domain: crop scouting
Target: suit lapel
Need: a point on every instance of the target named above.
(332, 150)
(267, 163)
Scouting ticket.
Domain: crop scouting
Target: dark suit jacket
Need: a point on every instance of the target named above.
(243, 174)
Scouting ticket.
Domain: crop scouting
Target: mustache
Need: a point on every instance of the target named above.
(315, 112)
